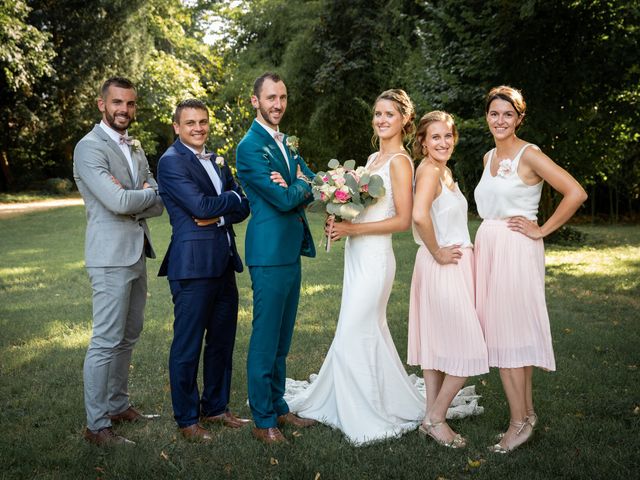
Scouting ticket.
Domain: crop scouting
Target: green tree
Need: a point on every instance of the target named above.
(24, 59)
(571, 59)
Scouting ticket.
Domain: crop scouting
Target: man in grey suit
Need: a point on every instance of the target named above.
(119, 193)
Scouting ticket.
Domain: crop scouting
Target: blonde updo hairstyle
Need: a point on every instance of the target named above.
(423, 125)
(508, 94)
(404, 105)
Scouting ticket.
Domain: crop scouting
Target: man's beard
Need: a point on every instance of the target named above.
(267, 118)
(111, 121)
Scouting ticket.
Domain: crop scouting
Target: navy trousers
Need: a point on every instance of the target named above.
(203, 309)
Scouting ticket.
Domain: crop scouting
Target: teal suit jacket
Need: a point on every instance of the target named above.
(278, 231)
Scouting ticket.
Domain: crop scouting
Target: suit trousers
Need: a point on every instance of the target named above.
(119, 298)
(276, 291)
(203, 308)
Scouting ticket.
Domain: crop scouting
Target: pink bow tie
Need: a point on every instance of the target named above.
(204, 156)
(278, 136)
(125, 139)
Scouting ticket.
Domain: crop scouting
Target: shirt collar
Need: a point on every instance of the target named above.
(115, 136)
(193, 149)
(269, 130)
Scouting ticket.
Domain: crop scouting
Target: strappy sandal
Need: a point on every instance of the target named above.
(532, 418)
(499, 448)
(426, 429)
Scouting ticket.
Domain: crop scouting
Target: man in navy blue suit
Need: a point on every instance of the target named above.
(203, 201)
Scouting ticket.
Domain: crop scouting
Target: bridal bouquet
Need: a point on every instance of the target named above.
(344, 191)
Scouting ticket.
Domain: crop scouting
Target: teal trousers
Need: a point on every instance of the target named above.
(276, 291)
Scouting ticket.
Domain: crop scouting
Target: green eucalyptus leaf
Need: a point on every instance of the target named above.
(350, 164)
(333, 163)
(350, 210)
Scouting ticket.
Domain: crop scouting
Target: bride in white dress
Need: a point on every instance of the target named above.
(362, 388)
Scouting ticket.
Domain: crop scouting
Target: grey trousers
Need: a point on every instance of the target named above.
(119, 297)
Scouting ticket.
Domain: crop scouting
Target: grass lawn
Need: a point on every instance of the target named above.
(589, 409)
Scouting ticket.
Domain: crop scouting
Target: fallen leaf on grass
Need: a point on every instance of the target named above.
(99, 469)
(273, 461)
(636, 411)
(317, 477)
(483, 382)
(567, 331)
(296, 434)
(632, 367)
(164, 456)
(475, 463)
(579, 414)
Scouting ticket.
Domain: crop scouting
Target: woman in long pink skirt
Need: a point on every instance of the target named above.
(445, 336)
(510, 297)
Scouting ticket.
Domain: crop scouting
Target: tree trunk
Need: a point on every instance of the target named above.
(6, 170)
(593, 203)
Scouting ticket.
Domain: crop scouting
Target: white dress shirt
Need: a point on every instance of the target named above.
(126, 149)
(215, 178)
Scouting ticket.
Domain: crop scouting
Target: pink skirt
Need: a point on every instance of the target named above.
(510, 297)
(444, 331)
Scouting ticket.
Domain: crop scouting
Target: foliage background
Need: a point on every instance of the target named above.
(575, 60)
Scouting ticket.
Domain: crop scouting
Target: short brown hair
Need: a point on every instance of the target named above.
(257, 84)
(189, 103)
(119, 82)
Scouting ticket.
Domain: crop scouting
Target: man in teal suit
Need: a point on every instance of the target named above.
(277, 234)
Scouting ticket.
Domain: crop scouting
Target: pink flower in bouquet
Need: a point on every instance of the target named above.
(342, 196)
(323, 197)
(365, 188)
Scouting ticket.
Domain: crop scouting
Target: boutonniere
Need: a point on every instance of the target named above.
(220, 161)
(293, 143)
(505, 167)
(136, 145)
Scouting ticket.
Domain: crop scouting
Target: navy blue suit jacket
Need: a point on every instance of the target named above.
(188, 193)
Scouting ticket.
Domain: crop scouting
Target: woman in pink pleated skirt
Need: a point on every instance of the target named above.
(445, 337)
(510, 295)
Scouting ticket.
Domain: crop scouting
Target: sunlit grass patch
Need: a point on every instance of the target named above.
(589, 408)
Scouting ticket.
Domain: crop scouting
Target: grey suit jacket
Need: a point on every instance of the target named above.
(116, 226)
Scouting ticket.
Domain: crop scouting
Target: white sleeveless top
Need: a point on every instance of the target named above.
(449, 217)
(506, 195)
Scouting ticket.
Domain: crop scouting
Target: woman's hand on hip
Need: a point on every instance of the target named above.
(525, 226)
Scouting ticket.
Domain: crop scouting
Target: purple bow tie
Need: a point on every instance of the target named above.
(278, 136)
(125, 139)
(204, 156)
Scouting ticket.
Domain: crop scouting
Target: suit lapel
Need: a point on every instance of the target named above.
(273, 148)
(195, 162)
(292, 162)
(115, 149)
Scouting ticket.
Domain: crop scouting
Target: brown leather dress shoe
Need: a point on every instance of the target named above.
(269, 435)
(227, 419)
(196, 433)
(296, 421)
(105, 438)
(130, 415)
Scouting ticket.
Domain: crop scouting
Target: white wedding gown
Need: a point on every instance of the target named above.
(362, 388)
